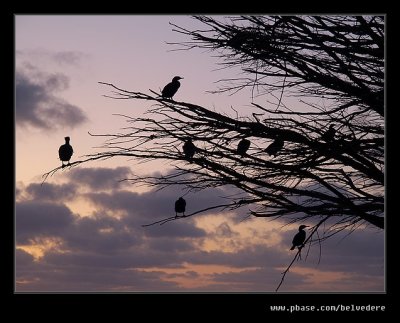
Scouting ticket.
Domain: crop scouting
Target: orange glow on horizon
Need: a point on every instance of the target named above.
(201, 279)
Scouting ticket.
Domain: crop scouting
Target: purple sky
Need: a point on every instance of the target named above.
(82, 229)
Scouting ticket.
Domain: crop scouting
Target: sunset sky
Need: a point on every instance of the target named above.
(82, 229)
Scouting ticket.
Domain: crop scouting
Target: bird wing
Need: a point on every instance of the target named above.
(243, 145)
(180, 205)
(170, 89)
(271, 148)
(60, 151)
(299, 238)
(166, 89)
(65, 152)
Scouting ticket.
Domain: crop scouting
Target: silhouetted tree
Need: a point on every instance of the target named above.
(306, 73)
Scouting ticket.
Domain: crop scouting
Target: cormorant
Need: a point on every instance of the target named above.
(299, 238)
(170, 89)
(273, 148)
(243, 146)
(189, 149)
(65, 152)
(329, 135)
(236, 41)
(180, 206)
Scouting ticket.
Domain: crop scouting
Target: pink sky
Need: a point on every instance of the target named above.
(81, 231)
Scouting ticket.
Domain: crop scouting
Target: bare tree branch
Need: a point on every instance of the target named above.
(298, 253)
(327, 155)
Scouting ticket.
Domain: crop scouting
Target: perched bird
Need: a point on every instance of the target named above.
(180, 206)
(236, 41)
(299, 238)
(273, 148)
(189, 149)
(170, 89)
(243, 146)
(329, 135)
(65, 152)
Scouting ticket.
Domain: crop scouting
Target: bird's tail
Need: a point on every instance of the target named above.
(292, 247)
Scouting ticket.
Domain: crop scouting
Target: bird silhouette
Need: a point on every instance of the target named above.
(329, 135)
(273, 148)
(180, 206)
(189, 149)
(243, 146)
(170, 89)
(299, 238)
(65, 152)
(236, 41)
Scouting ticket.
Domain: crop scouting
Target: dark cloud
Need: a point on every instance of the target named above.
(136, 257)
(55, 82)
(361, 251)
(110, 249)
(166, 244)
(354, 275)
(251, 280)
(344, 250)
(36, 218)
(51, 192)
(100, 234)
(37, 105)
(100, 178)
(71, 278)
(18, 191)
(177, 229)
(146, 207)
(22, 259)
(254, 256)
(155, 205)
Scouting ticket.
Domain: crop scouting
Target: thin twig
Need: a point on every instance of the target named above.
(172, 218)
(315, 228)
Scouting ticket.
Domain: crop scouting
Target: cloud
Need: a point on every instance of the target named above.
(36, 218)
(225, 230)
(69, 277)
(51, 192)
(252, 256)
(178, 229)
(18, 191)
(23, 259)
(100, 234)
(251, 280)
(38, 106)
(100, 178)
(109, 250)
(64, 58)
(69, 57)
(156, 205)
(166, 244)
(361, 251)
